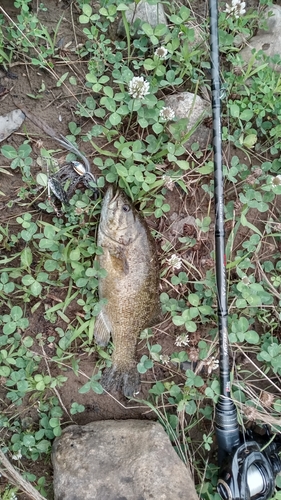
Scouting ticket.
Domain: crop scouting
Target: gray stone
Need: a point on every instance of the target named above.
(269, 41)
(151, 14)
(119, 460)
(10, 123)
(193, 107)
(201, 39)
(178, 223)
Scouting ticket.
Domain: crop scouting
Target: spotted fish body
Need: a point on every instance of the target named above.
(131, 288)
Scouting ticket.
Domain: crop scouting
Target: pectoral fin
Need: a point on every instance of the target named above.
(102, 329)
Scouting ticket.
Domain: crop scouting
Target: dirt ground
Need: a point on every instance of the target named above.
(56, 106)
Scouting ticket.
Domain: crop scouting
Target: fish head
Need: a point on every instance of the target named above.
(119, 220)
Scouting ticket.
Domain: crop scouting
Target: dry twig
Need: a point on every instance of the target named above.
(7, 470)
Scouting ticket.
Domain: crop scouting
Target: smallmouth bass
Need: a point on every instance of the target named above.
(131, 288)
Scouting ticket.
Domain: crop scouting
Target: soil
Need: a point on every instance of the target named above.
(56, 107)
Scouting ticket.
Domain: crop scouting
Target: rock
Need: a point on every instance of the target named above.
(193, 107)
(152, 14)
(119, 460)
(10, 123)
(176, 228)
(269, 41)
(201, 39)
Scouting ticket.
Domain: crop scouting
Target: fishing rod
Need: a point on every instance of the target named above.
(246, 472)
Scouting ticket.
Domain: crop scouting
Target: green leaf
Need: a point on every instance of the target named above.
(242, 325)
(190, 326)
(190, 408)
(108, 91)
(109, 103)
(241, 303)
(28, 440)
(160, 30)
(9, 328)
(87, 10)
(208, 168)
(183, 164)
(246, 115)
(5, 371)
(157, 389)
(248, 224)
(26, 257)
(176, 19)
(50, 265)
(178, 320)
(28, 342)
(194, 299)
(54, 422)
(96, 387)
(40, 386)
(72, 80)
(36, 288)
(42, 179)
(62, 78)
(122, 7)
(22, 385)
(234, 110)
(156, 348)
(205, 310)
(157, 128)
(57, 431)
(252, 337)
(147, 29)
(149, 64)
(75, 254)
(9, 152)
(16, 313)
(115, 119)
(27, 280)
(250, 140)
(85, 388)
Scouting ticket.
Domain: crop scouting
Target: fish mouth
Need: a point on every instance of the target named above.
(114, 196)
(110, 196)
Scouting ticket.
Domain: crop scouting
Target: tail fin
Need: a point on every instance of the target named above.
(127, 382)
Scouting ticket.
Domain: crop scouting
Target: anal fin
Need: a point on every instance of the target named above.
(102, 329)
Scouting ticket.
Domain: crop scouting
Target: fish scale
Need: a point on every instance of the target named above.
(130, 287)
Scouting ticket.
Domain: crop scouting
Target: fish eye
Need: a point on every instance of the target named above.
(126, 208)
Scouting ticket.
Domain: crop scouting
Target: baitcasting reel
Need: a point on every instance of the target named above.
(65, 181)
(63, 184)
(249, 473)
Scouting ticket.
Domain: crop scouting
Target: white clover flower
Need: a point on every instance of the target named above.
(276, 181)
(161, 52)
(17, 456)
(175, 261)
(164, 358)
(168, 182)
(212, 364)
(13, 497)
(245, 280)
(182, 340)
(138, 87)
(237, 8)
(167, 114)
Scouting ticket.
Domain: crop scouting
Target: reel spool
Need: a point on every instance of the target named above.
(249, 474)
